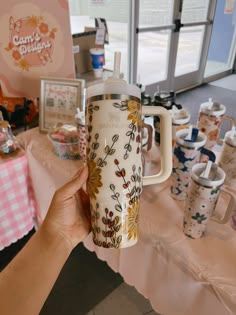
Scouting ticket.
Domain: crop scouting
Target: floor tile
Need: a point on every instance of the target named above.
(135, 297)
(226, 82)
(124, 300)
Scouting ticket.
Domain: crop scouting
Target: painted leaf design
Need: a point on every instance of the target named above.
(112, 151)
(116, 220)
(116, 105)
(114, 197)
(113, 240)
(107, 149)
(117, 228)
(118, 174)
(111, 224)
(95, 146)
(134, 178)
(133, 127)
(128, 147)
(123, 173)
(112, 187)
(115, 138)
(118, 208)
(104, 220)
(119, 239)
(99, 162)
(110, 233)
(93, 156)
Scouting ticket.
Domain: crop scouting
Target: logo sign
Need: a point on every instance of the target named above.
(31, 42)
(34, 43)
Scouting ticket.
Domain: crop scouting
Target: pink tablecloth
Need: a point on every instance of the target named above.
(17, 203)
(179, 275)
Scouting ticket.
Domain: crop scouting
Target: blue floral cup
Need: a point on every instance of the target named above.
(186, 155)
(202, 199)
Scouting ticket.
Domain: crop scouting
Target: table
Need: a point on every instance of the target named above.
(17, 202)
(179, 276)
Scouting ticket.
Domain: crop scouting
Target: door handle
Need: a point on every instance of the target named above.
(178, 25)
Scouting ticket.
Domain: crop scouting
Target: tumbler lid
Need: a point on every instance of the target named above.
(212, 108)
(179, 116)
(215, 179)
(114, 85)
(199, 142)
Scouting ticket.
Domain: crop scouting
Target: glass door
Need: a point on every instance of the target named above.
(222, 48)
(193, 40)
(172, 37)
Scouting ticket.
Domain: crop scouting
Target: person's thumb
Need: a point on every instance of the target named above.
(69, 189)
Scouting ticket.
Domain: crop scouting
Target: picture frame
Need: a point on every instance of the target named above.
(59, 100)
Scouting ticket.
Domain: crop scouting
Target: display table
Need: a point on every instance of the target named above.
(179, 275)
(17, 203)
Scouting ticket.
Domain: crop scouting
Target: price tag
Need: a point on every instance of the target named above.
(76, 49)
(100, 36)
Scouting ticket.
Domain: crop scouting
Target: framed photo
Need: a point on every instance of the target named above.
(59, 99)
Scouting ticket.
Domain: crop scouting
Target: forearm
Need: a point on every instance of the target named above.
(28, 279)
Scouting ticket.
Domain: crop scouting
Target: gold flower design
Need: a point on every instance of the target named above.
(24, 65)
(16, 55)
(43, 27)
(132, 220)
(135, 112)
(34, 21)
(94, 180)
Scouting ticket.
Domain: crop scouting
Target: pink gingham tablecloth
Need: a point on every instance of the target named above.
(17, 203)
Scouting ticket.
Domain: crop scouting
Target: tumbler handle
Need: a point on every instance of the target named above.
(149, 136)
(211, 155)
(165, 145)
(229, 211)
(231, 124)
